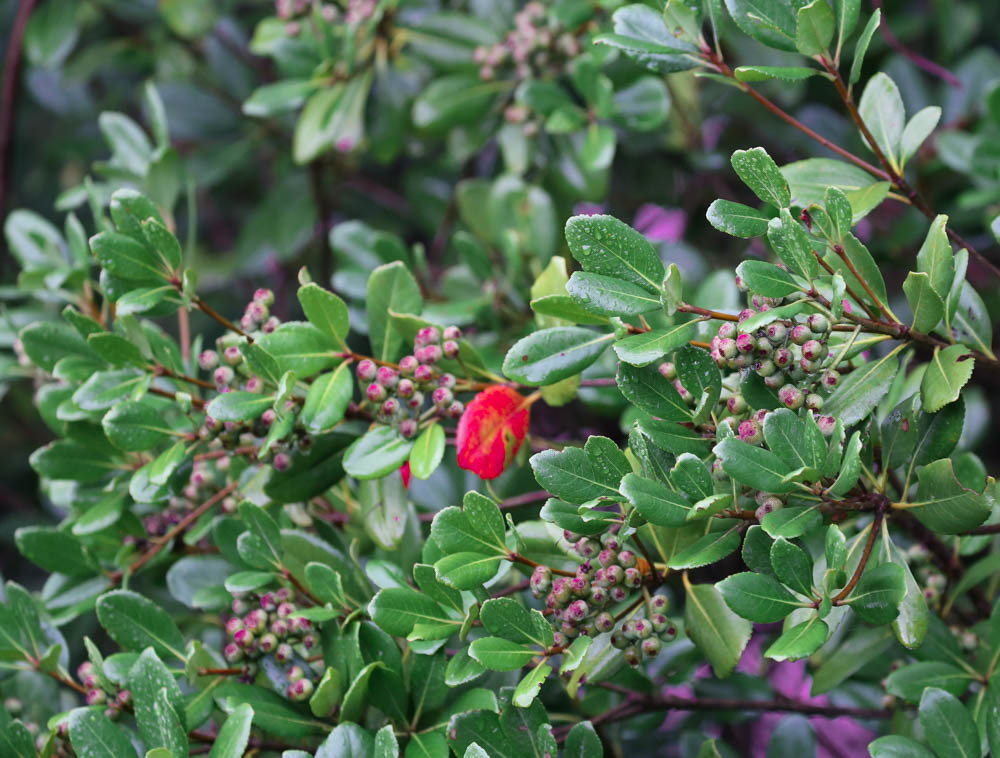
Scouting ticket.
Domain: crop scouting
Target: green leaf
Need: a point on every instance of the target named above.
(861, 259)
(792, 565)
(770, 22)
(478, 525)
(164, 243)
(386, 745)
(94, 736)
(239, 406)
(397, 609)
(427, 452)
(527, 689)
(718, 632)
(897, 746)
(943, 504)
(605, 245)
(347, 740)
(273, 713)
(498, 654)
(792, 521)
(926, 304)
(948, 727)
(124, 257)
(454, 100)
(766, 279)
(105, 388)
(391, 287)
(800, 641)
(134, 426)
(936, 259)
(877, 595)
(769, 73)
(550, 355)
(917, 130)
(757, 597)
(327, 400)
(910, 681)
(378, 452)
(326, 312)
(158, 704)
(54, 550)
(115, 349)
(135, 623)
(582, 740)
(881, 108)
(466, 570)
(709, 549)
(797, 443)
(912, 436)
(754, 466)
(657, 503)
(642, 34)
(861, 46)
(648, 390)
(332, 118)
(948, 371)
(327, 694)
(564, 308)
(862, 389)
(810, 179)
(299, 347)
(609, 295)
(737, 219)
(814, 29)
(507, 618)
(760, 173)
(571, 475)
(642, 349)
(791, 243)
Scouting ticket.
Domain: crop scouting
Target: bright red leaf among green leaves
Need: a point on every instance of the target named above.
(491, 430)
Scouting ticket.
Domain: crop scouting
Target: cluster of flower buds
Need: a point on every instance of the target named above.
(55, 744)
(538, 45)
(610, 576)
(267, 625)
(790, 357)
(114, 699)
(399, 395)
(295, 12)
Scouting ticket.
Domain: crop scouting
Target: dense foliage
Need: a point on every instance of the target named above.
(419, 469)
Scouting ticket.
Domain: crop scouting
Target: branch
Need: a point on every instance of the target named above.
(637, 704)
(932, 68)
(182, 525)
(876, 523)
(725, 70)
(894, 175)
(517, 558)
(11, 66)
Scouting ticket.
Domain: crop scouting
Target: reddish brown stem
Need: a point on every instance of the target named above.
(895, 176)
(865, 555)
(182, 525)
(516, 558)
(11, 67)
(726, 71)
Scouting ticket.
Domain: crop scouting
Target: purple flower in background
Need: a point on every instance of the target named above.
(835, 738)
(660, 224)
(657, 223)
(588, 209)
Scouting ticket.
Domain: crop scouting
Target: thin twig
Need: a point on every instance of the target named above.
(8, 93)
(182, 525)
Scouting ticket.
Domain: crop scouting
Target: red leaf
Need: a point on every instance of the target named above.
(491, 430)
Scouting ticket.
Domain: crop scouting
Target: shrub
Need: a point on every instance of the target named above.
(767, 464)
